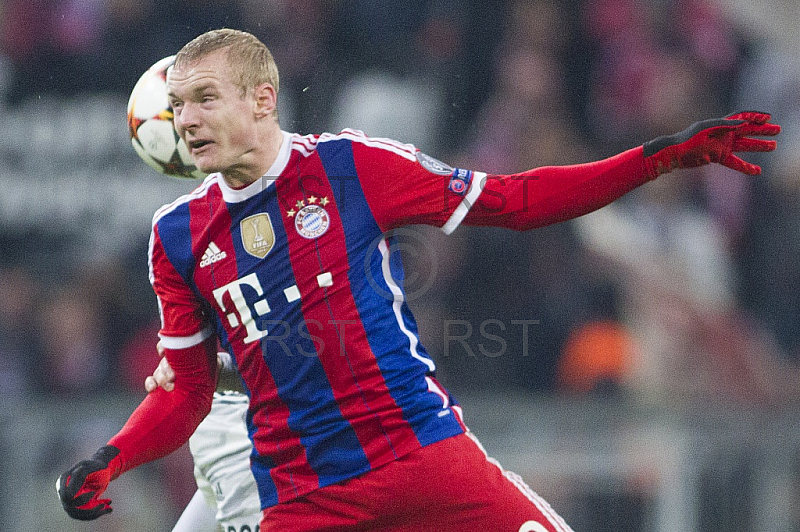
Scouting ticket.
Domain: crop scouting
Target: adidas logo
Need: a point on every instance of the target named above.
(212, 254)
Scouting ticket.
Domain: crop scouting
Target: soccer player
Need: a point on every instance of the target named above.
(282, 256)
(226, 494)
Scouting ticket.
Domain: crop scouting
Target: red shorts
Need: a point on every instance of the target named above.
(450, 485)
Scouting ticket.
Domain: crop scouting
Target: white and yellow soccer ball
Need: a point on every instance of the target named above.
(150, 125)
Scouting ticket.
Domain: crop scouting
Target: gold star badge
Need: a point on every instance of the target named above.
(324, 201)
(300, 204)
(290, 213)
(312, 199)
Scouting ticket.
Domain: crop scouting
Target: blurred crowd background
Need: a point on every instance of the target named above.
(683, 293)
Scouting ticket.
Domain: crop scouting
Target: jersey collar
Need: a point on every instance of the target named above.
(233, 195)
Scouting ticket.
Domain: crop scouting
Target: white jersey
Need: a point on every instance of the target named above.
(221, 451)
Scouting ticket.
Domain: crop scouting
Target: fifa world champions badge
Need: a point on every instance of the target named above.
(311, 220)
(258, 235)
(434, 166)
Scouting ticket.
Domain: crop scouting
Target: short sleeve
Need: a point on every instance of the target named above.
(404, 186)
(183, 322)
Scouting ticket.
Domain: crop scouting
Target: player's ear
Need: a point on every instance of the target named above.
(265, 100)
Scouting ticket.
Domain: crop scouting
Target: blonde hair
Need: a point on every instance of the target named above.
(251, 61)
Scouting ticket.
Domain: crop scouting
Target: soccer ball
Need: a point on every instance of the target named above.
(150, 125)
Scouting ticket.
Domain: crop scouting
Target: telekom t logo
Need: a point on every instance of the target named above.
(241, 313)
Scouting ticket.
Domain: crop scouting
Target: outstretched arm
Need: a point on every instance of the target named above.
(553, 194)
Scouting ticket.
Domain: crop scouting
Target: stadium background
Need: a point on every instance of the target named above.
(639, 367)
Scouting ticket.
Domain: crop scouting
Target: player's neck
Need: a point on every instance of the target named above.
(262, 157)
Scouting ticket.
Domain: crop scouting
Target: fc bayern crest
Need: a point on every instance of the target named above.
(311, 221)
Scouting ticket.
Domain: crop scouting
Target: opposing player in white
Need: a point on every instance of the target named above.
(227, 497)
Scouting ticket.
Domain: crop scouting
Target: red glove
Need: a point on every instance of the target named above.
(80, 487)
(712, 141)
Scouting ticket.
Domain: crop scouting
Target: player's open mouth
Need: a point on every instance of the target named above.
(197, 145)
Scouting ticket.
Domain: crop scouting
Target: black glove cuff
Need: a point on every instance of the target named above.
(105, 454)
(657, 144)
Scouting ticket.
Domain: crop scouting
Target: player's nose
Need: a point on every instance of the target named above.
(187, 117)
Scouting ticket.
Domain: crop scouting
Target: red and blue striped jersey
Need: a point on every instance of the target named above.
(294, 276)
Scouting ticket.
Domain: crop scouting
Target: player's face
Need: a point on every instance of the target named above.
(213, 116)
